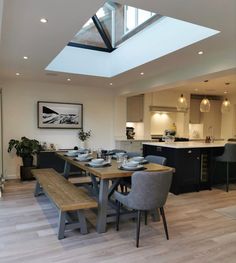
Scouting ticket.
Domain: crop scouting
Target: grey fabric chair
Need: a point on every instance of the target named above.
(133, 154)
(229, 156)
(149, 191)
(156, 159)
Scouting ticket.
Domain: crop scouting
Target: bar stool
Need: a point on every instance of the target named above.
(229, 156)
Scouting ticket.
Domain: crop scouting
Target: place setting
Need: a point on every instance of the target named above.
(100, 162)
(83, 157)
(139, 159)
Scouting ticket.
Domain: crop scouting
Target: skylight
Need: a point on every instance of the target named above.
(110, 26)
(141, 37)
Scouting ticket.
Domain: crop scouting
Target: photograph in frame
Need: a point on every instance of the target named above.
(59, 115)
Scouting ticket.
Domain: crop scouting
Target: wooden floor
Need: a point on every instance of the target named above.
(197, 232)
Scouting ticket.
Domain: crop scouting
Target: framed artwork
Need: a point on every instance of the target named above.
(60, 115)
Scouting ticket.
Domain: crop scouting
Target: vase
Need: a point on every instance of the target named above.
(83, 144)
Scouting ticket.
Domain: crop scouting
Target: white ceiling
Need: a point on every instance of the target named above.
(23, 35)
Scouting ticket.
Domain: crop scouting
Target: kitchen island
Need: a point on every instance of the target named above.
(193, 162)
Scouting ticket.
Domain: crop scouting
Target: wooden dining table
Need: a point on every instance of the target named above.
(106, 175)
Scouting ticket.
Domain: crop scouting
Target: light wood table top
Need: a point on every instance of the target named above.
(112, 171)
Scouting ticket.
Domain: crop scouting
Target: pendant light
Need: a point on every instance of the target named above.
(205, 105)
(225, 106)
(182, 103)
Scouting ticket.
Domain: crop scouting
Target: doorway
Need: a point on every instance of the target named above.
(1, 147)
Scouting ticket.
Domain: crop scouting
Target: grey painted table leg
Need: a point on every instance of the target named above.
(102, 206)
(61, 225)
(37, 190)
(66, 170)
(95, 184)
(83, 224)
(155, 215)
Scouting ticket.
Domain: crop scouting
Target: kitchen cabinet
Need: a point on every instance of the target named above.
(193, 166)
(49, 159)
(135, 108)
(195, 114)
(130, 146)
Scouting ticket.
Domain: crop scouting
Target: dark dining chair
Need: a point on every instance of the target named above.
(149, 191)
(228, 156)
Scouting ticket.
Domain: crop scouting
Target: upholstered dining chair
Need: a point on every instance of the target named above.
(228, 156)
(149, 191)
(133, 154)
(156, 159)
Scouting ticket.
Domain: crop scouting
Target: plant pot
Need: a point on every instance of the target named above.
(27, 161)
(25, 173)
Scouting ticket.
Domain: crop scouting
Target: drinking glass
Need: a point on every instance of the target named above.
(119, 161)
(108, 158)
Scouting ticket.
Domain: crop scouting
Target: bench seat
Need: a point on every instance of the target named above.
(69, 199)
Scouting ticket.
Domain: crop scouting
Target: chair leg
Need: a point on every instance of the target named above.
(164, 222)
(227, 177)
(145, 216)
(138, 228)
(118, 216)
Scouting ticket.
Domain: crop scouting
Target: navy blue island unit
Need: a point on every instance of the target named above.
(193, 162)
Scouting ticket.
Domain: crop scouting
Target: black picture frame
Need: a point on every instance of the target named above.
(59, 115)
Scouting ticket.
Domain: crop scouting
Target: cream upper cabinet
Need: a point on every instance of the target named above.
(195, 114)
(135, 108)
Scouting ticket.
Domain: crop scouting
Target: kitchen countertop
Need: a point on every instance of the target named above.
(136, 140)
(190, 144)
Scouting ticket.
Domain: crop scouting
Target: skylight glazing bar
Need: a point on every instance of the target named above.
(102, 33)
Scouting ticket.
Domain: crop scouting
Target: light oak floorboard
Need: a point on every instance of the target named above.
(198, 233)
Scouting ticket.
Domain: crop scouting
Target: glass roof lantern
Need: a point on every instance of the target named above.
(111, 26)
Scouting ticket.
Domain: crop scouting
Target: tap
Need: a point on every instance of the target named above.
(211, 131)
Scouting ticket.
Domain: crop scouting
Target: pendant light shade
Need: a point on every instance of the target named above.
(225, 106)
(205, 105)
(182, 103)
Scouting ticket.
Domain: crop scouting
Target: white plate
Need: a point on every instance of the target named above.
(132, 168)
(71, 154)
(92, 164)
(84, 159)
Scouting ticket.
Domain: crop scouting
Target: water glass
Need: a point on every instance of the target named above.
(108, 158)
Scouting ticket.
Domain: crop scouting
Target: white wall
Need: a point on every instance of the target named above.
(20, 116)
(228, 127)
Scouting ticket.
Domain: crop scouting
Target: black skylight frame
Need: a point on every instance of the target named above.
(103, 35)
(109, 48)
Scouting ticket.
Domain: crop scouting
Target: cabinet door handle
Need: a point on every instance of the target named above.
(189, 151)
(158, 149)
(198, 158)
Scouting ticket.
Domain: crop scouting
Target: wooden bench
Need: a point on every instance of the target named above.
(69, 199)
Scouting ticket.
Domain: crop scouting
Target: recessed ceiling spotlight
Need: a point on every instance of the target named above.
(111, 84)
(225, 92)
(43, 20)
(17, 74)
(200, 52)
(142, 73)
(196, 89)
(25, 57)
(68, 79)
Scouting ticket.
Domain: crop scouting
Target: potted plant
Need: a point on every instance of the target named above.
(25, 148)
(83, 136)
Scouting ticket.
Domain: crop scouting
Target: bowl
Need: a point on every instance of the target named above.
(83, 155)
(97, 161)
(72, 151)
(132, 164)
(138, 158)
